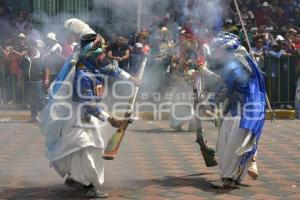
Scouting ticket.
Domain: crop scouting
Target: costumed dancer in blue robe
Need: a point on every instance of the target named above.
(73, 120)
(244, 110)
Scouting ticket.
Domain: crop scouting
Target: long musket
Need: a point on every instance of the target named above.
(113, 145)
(207, 153)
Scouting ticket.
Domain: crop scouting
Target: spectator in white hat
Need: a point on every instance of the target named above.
(279, 38)
(52, 43)
(136, 58)
(265, 4)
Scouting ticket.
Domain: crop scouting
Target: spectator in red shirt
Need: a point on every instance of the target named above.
(263, 15)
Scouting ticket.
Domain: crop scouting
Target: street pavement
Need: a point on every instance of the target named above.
(154, 163)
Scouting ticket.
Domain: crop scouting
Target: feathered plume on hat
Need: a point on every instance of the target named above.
(79, 27)
(87, 34)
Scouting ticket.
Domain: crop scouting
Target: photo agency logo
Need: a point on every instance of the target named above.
(177, 106)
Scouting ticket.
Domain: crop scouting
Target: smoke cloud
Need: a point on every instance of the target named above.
(125, 17)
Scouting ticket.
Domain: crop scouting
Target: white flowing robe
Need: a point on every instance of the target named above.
(233, 143)
(74, 149)
(78, 153)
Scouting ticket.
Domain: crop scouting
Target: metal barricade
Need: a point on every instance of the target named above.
(281, 76)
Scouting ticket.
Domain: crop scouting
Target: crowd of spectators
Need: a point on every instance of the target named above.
(273, 28)
(274, 32)
(29, 61)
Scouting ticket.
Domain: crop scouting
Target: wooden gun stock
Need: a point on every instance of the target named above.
(113, 145)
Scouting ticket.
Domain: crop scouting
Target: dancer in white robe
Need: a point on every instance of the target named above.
(73, 121)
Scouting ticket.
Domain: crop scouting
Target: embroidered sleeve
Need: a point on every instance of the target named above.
(86, 95)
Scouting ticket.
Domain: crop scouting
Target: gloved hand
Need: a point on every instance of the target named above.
(116, 123)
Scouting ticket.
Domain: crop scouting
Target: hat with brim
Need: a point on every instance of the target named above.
(21, 35)
(52, 36)
(139, 45)
(87, 38)
(279, 38)
(265, 4)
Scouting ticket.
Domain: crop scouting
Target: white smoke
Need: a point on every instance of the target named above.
(125, 16)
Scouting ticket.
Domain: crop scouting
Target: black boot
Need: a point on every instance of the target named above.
(91, 192)
(73, 184)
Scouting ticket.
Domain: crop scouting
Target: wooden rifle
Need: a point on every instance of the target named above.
(207, 153)
(113, 145)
